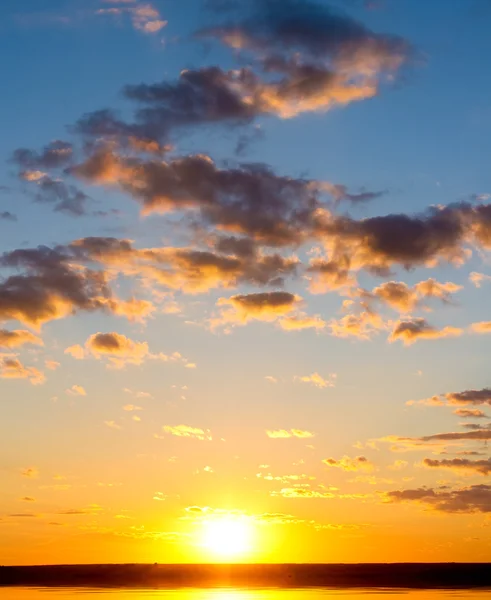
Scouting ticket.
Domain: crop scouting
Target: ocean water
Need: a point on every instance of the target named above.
(16, 593)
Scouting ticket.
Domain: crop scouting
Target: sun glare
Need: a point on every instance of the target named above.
(228, 537)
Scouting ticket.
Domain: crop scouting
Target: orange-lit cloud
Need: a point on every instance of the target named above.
(12, 368)
(265, 306)
(410, 331)
(76, 390)
(18, 337)
(318, 381)
(483, 467)
(188, 432)
(346, 463)
(472, 499)
(120, 351)
(290, 433)
(481, 327)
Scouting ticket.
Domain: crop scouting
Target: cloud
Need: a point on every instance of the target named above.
(478, 278)
(112, 424)
(76, 351)
(359, 463)
(299, 322)
(361, 326)
(236, 261)
(28, 499)
(481, 327)
(322, 58)
(472, 499)
(483, 467)
(12, 368)
(55, 155)
(403, 298)
(472, 413)
(465, 398)
(30, 472)
(248, 199)
(293, 492)
(120, 351)
(7, 216)
(291, 433)
(144, 16)
(52, 365)
(439, 438)
(18, 337)
(117, 348)
(317, 380)
(188, 432)
(271, 379)
(76, 390)
(265, 306)
(412, 330)
(131, 407)
(52, 287)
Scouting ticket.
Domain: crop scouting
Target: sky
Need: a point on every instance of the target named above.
(245, 273)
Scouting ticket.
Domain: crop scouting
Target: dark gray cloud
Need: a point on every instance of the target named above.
(249, 198)
(51, 287)
(411, 330)
(482, 467)
(473, 397)
(472, 499)
(7, 216)
(53, 156)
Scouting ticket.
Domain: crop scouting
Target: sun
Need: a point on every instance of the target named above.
(228, 537)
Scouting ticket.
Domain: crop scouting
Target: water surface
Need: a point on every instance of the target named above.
(15, 593)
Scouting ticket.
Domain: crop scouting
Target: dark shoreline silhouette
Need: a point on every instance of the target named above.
(393, 575)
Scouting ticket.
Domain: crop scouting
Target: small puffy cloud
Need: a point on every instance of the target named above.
(131, 407)
(144, 17)
(410, 331)
(52, 365)
(18, 337)
(482, 467)
(117, 348)
(28, 499)
(188, 432)
(76, 351)
(271, 379)
(112, 425)
(30, 472)
(159, 496)
(120, 351)
(478, 278)
(481, 327)
(12, 368)
(470, 413)
(317, 380)
(358, 463)
(76, 390)
(7, 216)
(362, 326)
(290, 433)
(403, 298)
(264, 306)
(298, 322)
